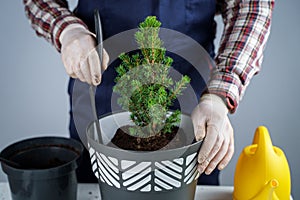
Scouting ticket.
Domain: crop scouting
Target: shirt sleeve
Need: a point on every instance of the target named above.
(246, 30)
(49, 18)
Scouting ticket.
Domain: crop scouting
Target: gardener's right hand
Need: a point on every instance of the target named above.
(211, 122)
(79, 55)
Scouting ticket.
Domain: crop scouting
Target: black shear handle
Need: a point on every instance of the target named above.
(99, 37)
(92, 89)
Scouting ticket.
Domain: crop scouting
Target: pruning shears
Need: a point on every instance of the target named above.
(92, 89)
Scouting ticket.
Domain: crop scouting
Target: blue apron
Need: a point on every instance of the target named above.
(194, 18)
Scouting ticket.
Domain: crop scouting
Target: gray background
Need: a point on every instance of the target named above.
(34, 100)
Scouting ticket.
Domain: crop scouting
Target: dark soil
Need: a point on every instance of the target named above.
(123, 140)
(43, 156)
(34, 164)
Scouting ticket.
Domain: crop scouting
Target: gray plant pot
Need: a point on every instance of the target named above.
(160, 175)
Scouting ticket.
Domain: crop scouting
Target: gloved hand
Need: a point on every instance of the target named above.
(79, 55)
(211, 122)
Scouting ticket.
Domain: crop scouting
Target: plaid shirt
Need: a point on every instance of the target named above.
(246, 30)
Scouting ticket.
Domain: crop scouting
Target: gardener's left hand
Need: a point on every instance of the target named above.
(211, 122)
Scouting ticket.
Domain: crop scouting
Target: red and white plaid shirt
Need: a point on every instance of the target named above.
(246, 30)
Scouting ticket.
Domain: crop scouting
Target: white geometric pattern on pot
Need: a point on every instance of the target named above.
(94, 162)
(190, 172)
(167, 175)
(127, 163)
(108, 168)
(139, 176)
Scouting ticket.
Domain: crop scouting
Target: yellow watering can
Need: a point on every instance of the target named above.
(262, 171)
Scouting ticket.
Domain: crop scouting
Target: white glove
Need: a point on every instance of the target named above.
(79, 55)
(211, 122)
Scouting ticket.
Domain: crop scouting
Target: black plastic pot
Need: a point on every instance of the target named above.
(160, 175)
(47, 168)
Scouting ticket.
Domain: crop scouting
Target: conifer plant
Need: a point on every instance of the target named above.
(144, 84)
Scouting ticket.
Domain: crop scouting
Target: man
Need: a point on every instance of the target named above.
(246, 29)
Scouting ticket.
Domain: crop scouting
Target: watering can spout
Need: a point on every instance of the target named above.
(268, 191)
(263, 141)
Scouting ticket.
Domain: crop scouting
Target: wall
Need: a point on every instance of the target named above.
(34, 101)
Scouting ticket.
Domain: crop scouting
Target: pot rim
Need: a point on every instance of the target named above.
(146, 153)
(52, 141)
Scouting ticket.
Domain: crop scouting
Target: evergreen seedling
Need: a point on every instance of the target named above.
(146, 90)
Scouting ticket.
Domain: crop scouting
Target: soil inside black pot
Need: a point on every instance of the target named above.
(44, 156)
(175, 139)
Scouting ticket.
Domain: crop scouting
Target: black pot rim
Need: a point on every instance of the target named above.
(52, 172)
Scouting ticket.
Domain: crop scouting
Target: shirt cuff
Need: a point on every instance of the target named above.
(227, 86)
(60, 24)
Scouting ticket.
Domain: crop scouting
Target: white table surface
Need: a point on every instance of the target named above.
(91, 192)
